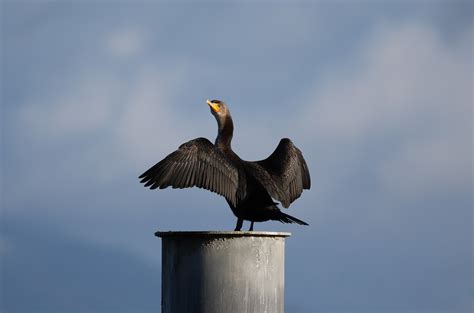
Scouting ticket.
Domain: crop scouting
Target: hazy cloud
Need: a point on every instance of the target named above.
(82, 108)
(410, 93)
(149, 122)
(126, 43)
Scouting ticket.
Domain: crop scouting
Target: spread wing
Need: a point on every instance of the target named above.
(195, 163)
(288, 172)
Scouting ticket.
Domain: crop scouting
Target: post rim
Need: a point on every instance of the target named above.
(227, 234)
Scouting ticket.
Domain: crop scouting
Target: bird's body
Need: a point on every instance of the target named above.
(249, 187)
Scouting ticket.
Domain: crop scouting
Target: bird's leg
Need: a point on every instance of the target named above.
(251, 226)
(238, 227)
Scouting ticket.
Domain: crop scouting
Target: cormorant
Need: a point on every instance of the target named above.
(248, 187)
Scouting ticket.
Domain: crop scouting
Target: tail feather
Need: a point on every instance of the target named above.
(285, 218)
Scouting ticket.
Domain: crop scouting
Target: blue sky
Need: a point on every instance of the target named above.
(378, 96)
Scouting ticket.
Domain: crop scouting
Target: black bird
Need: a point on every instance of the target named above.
(248, 187)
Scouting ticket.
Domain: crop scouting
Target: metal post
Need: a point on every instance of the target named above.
(217, 272)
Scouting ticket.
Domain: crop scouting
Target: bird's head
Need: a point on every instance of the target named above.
(218, 109)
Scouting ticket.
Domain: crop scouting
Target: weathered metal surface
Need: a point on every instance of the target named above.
(215, 272)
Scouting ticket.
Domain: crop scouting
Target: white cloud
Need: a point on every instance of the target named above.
(147, 124)
(133, 112)
(412, 94)
(82, 107)
(125, 43)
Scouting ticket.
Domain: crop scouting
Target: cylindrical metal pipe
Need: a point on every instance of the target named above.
(216, 272)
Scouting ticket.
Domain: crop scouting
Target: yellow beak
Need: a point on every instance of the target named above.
(213, 106)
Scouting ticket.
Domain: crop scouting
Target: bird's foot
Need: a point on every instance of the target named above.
(238, 227)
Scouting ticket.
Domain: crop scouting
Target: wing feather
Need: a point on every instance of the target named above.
(288, 172)
(196, 163)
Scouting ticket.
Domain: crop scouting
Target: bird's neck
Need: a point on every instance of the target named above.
(225, 132)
